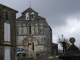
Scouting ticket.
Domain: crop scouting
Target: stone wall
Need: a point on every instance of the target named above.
(37, 28)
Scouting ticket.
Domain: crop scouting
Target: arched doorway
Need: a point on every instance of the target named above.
(30, 43)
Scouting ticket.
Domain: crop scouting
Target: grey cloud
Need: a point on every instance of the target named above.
(55, 11)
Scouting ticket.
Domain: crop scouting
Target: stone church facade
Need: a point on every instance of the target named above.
(33, 32)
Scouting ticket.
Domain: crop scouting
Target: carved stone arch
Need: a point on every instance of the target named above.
(40, 23)
(19, 24)
(31, 24)
(32, 39)
(28, 23)
(36, 23)
(23, 24)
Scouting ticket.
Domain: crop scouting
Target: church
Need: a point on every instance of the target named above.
(33, 32)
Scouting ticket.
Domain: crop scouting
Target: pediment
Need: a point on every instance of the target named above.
(29, 10)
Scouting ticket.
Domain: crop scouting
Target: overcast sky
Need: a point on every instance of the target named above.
(62, 15)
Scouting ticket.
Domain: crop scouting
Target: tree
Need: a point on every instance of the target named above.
(64, 43)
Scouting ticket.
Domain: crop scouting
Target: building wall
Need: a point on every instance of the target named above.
(1, 52)
(42, 38)
(1, 26)
(13, 28)
(54, 48)
(7, 34)
(36, 28)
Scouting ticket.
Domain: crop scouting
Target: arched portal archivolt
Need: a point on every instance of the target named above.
(30, 39)
(30, 43)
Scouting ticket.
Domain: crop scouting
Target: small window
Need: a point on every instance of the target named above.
(7, 16)
(27, 16)
(29, 29)
(6, 32)
(32, 16)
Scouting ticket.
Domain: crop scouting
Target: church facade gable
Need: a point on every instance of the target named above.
(33, 34)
